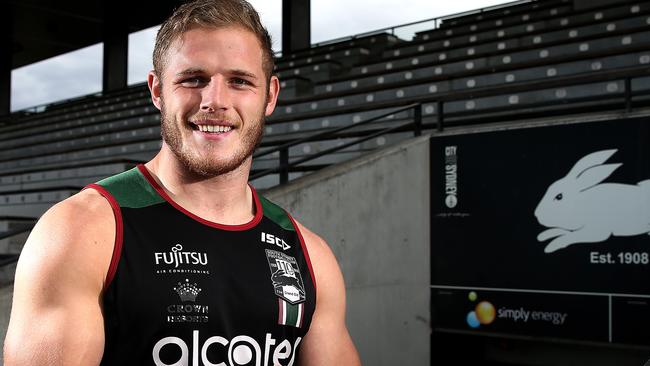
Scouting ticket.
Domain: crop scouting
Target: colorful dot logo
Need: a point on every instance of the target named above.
(483, 313)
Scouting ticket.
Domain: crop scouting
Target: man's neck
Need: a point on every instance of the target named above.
(224, 199)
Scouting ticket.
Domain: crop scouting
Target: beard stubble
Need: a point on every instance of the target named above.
(209, 166)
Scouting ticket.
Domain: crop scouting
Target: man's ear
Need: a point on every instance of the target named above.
(155, 88)
(272, 96)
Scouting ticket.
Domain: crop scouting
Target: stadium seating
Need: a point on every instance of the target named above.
(527, 60)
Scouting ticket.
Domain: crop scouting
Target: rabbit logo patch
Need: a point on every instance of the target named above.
(579, 209)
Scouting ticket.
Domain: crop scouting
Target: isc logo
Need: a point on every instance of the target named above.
(272, 239)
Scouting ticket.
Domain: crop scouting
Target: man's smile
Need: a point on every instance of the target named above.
(212, 126)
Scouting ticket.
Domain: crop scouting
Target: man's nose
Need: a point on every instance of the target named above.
(215, 96)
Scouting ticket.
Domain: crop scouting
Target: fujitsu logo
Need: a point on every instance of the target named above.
(177, 257)
(240, 350)
(272, 239)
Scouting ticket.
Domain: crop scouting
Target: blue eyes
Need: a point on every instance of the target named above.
(200, 82)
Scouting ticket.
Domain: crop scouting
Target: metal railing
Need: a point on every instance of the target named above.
(285, 165)
(627, 93)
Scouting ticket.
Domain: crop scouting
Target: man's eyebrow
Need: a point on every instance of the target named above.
(239, 72)
(191, 71)
(235, 72)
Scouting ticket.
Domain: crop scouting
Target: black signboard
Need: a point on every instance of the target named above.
(534, 225)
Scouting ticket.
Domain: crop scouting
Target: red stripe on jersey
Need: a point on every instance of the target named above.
(304, 250)
(119, 232)
(256, 219)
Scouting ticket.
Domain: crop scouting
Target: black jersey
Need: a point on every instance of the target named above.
(185, 291)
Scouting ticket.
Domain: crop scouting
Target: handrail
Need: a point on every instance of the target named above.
(492, 90)
(329, 133)
(627, 93)
(285, 165)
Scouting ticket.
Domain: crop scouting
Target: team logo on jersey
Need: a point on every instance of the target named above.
(274, 240)
(288, 286)
(286, 277)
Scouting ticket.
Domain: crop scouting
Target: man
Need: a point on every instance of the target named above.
(179, 261)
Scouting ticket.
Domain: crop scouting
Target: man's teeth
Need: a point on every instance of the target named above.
(214, 128)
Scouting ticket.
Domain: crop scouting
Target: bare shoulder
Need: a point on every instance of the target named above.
(77, 231)
(84, 219)
(58, 285)
(327, 342)
(320, 253)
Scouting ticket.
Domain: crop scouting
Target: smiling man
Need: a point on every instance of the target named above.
(179, 261)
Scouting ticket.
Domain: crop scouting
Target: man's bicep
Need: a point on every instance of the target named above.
(328, 341)
(56, 314)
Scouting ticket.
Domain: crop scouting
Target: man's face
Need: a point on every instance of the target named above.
(214, 98)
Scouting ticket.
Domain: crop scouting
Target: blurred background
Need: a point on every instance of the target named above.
(481, 169)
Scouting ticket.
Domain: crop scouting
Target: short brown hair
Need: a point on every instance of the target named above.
(212, 14)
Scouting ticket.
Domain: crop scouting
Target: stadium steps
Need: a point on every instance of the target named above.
(66, 140)
(65, 177)
(525, 12)
(32, 139)
(470, 51)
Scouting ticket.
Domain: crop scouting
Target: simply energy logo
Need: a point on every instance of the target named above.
(451, 176)
(240, 350)
(483, 313)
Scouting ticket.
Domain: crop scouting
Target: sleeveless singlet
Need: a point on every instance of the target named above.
(185, 291)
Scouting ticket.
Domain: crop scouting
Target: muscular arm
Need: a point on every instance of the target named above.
(328, 341)
(56, 314)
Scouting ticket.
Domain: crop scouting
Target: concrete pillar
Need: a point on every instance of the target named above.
(116, 46)
(6, 57)
(296, 25)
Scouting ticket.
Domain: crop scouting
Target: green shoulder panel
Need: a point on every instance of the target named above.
(131, 189)
(276, 214)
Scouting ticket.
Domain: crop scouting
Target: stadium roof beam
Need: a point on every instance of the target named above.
(116, 49)
(296, 25)
(42, 29)
(6, 43)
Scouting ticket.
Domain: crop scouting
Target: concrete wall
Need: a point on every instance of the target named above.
(374, 213)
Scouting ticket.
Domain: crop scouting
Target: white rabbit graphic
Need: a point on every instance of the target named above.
(577, 209)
